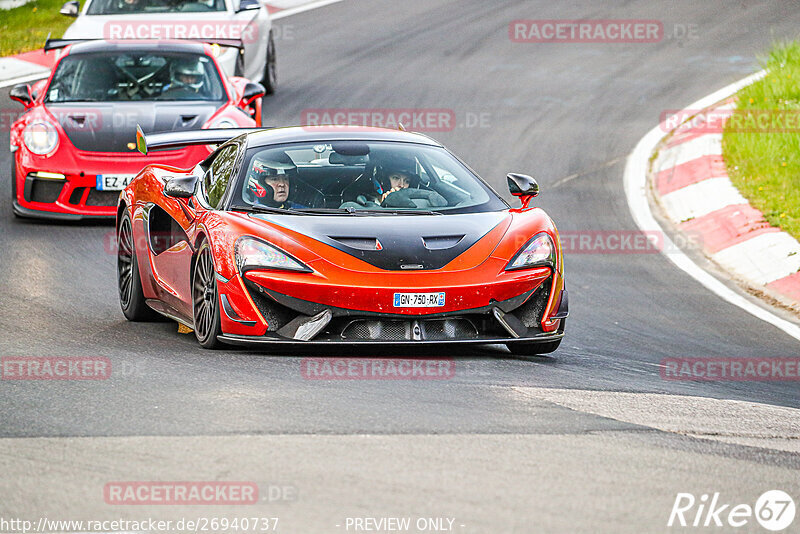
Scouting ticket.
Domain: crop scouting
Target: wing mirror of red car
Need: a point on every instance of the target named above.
(22, 94)
(523, 186)
(71, 9)
(252, 91)
(182, 187)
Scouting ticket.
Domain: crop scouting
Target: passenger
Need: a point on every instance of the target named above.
(397, 180)
(269, 182)
(388, 179)
(397, 185)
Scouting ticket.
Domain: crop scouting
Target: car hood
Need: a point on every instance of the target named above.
(395, 242)
(111, 127)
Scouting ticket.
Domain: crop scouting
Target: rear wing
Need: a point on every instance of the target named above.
(53, 44)
(169, 140)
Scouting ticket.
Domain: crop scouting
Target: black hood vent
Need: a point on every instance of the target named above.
(106, 127)
(395, 242)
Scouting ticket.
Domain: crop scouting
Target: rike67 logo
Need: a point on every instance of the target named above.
(774, 510)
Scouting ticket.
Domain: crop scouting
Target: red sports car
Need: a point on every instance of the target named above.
(73, 147)
(337, 235)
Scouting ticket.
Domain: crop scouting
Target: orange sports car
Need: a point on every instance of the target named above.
(341, 235)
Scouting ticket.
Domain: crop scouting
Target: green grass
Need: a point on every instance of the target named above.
(26, 27)
(765, 167)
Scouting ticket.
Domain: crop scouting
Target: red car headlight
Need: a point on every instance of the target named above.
(40, 137)
(540, 251)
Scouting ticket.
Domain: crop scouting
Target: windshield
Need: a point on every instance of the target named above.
(135, 76)
(360, 177)
(122, 7)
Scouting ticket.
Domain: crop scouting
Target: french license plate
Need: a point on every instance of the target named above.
(113, 182)
(418, 300)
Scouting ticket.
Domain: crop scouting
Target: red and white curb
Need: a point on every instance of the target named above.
(690, 180)
(693, 187)
(36, 65)
(25, 67)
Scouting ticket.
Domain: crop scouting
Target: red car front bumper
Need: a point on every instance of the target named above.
(76, 196)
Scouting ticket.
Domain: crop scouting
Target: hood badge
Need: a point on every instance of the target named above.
(411, 266)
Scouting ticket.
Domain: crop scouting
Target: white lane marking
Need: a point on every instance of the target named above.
(701, 198)
(12, 67)
(23, 79)
(635, 182)
(762, 259)
(730, 421)
(705, 145)
(301, 9)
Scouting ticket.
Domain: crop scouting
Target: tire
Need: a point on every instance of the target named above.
(129, 283)
(238, 69)
(14, 187)
(205, 299)
(270, 78)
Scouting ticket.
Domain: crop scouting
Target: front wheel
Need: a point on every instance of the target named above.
(270, 78)
(14, 187)
(129, 283)
(205, 299)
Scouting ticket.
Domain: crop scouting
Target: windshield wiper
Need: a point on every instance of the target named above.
(333, 211)
(401, 212)
(267, 209)
(298, 211)
(330, 211)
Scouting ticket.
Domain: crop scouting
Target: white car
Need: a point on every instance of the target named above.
(243, 22)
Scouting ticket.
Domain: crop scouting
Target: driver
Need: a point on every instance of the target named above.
(186, 77)
(269, 182)
(130, 6)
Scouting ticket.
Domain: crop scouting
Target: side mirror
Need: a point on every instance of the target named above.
(252, 91)
(180, 187)
(22, 94)
(246, 5)
(523, 186)
(71, 8)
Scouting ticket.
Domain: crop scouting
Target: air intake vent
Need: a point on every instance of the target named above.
(398, 330)
(442, 242)
(102, 198)
(45, 190)
(359, 243)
